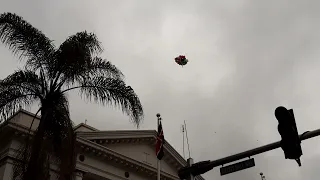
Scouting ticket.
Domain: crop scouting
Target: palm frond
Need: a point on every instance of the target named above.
(82, 43)
(17, 90)
(25, 40)
(12, 100)
(74, 53)
(112, 91)
(27, 81)
(97, 67)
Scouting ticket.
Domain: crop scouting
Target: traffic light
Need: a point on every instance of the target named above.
(195, 169)
(290, 141)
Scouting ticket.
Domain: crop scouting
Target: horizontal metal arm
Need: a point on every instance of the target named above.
(259, 150)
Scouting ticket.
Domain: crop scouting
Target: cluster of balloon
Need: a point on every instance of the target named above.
(181, 60)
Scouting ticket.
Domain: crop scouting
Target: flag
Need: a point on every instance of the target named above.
(160, 142)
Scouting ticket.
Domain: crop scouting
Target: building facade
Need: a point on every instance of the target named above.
(103, 155)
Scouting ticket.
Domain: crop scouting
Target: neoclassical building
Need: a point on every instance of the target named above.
(104, 155)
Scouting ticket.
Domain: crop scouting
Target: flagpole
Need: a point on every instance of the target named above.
(158, 177)
(159, 164)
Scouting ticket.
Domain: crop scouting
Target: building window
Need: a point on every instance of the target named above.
(126, 174)
(81, 157)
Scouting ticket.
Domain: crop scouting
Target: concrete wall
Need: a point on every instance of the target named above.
(25, 120)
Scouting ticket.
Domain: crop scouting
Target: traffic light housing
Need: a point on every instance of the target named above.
(290, 140)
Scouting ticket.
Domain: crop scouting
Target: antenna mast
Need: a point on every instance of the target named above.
(184, 156)
(185, 126)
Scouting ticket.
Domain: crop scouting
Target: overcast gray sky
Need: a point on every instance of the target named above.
(246, 57)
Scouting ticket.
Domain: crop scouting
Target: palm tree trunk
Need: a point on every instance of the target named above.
(35, 166)
(68, 158)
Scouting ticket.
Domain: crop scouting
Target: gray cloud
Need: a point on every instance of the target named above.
(246, 58)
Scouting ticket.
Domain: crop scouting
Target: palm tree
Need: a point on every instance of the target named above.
(49, 73)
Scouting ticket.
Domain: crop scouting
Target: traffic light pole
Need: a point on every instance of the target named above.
(208, 165)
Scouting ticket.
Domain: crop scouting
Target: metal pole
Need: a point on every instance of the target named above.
(158, 163)
(158, 175)
(184, 155)
(259, 150)
(190, 162)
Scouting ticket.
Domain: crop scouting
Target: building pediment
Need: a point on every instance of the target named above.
(127, 138)
(128, 142)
